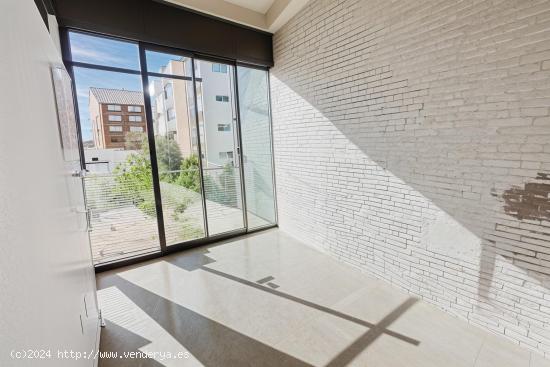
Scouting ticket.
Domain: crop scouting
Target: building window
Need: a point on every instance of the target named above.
(219, 68)
(134, 108)
(115, 118)
(115, 129)
(168, 91)
(136, 129)
(222, 98)
(117, 139)
(226, 155)
(114, 107)
(224, 127)
(134, 118)
(171, 114)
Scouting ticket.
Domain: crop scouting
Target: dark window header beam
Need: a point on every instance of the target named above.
(159, 23)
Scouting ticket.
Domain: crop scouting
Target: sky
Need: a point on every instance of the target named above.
(107, 52)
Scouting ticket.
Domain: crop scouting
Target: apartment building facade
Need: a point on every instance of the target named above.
(117, 117)
(215, 93)
(174, 116)
(172, 107)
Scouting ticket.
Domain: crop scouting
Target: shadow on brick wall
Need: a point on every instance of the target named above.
(455, 128)
(511, 222)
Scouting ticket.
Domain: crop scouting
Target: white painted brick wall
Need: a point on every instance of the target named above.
(405, 132)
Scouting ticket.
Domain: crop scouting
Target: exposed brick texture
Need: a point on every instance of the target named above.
(412, 140)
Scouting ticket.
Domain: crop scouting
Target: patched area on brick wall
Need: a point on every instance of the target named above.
(412, 140)
(532, 202)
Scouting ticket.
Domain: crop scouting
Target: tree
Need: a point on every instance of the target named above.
(227, 187)
(169, 158)
(222, 187)
(135, 182)
(135, 172)
(189, 176)
(134, 140)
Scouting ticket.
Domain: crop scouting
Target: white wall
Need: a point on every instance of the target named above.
(45, 265)
(412, 140)
(108, 159)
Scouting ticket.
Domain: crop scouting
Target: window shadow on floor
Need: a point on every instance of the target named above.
(214, 344)
(115, 338)
(199, 258)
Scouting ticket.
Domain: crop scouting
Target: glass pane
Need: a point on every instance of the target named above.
(163, 63)
(104, 51)
(174, 121)
(119, 186)
(256, 146)
(218, 134)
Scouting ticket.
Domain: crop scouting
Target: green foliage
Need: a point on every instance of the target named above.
(135, 173)
(227, 186)
(189, 176)
(134, 140)
(148, 207)
(183, 204)
(100, 192)
(190, 231)
(227, 175)
(221, 188)
(169, 158)
(179, 198)
(180, 181)
(134, 181)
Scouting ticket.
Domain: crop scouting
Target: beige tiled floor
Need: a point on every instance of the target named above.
(268, 300)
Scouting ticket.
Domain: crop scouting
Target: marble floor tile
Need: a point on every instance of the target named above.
(268, 300)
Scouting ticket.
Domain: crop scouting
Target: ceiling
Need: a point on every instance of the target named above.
(266, 15)
(260, 6)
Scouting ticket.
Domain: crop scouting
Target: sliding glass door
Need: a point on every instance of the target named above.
(217, 111)
(255, 120)
(172, 100)
(177, 148)
(119, 182)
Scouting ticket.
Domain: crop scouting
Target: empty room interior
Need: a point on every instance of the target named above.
(275, 183)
